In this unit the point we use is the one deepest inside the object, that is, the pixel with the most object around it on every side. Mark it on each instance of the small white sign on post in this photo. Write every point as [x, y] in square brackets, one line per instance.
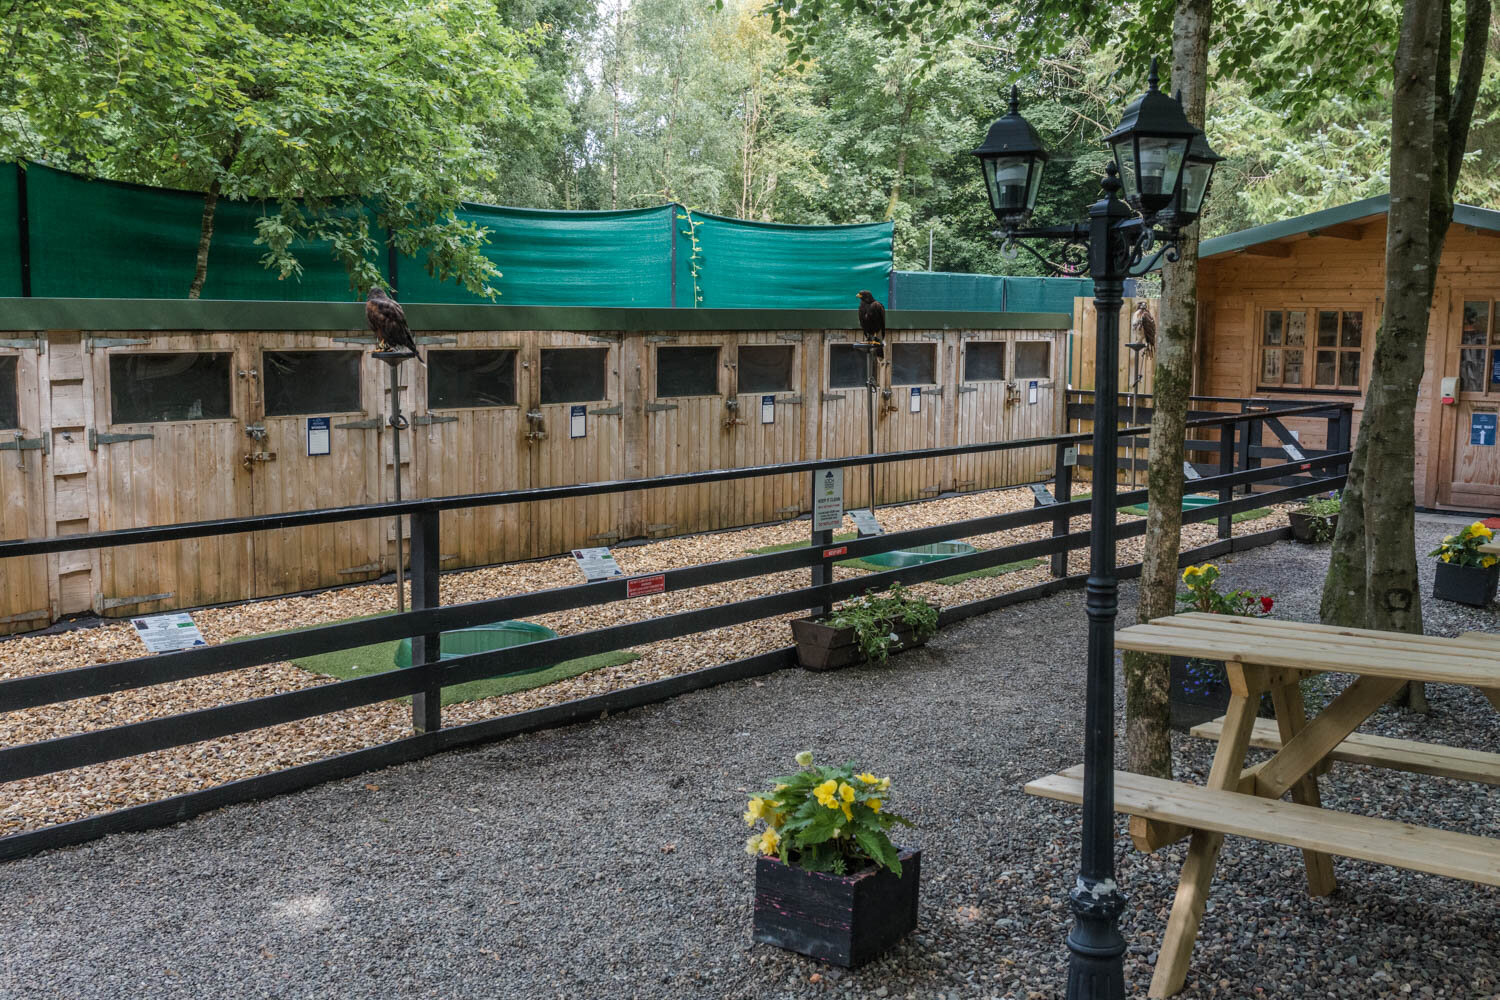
[828, 500]
[578, 422]
[596, 564]
[165, 633]
[768, 409]
[1189, 471]
[865, 521]
[916, 399]
[1031, 392]
[1293, 452]
[318, 434]
[1070, 455]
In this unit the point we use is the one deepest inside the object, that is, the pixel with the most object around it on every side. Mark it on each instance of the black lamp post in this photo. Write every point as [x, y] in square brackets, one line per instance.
[1163, 165]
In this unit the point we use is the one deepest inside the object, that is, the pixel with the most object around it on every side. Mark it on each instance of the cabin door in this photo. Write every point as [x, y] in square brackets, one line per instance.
[689, 428]
[1471, 479]
[914, 413]
[24, 602]
[983, 411]
[768, 426]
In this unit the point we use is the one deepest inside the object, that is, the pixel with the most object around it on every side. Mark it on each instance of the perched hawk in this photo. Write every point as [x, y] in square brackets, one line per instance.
[1143, 325]
[388, 322]
[872, 321]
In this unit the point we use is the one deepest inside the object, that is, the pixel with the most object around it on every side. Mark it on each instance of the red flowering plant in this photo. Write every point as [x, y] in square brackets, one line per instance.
[1202, 595]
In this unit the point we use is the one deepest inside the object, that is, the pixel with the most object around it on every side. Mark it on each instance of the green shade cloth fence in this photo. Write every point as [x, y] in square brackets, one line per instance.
[988, 292]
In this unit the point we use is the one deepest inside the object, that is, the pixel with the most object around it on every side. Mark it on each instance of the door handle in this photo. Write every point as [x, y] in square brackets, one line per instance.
[253, 457]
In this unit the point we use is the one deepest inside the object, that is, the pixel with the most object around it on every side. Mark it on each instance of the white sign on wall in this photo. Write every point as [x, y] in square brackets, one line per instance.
[596, 564]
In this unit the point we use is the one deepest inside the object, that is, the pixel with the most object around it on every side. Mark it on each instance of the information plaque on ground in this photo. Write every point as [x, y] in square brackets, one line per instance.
[166, 633]
[596, 564]
[828, 500]
[865, 521]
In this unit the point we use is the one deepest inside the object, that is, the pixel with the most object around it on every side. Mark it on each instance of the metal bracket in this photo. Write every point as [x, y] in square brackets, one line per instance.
[831, 397]
[605, 338]
[968, 388]
[659, 407]
[791, 511]
[89, 343]
[797, 337]
[361, 425]
[96, 438]
[653, 528]
[788, 400]
[434, 339]
[607, 536]
[25, 444]
[607, 411]
[932, 336]
[423, 421]
[36, 344]
[934, 391]
[659, 338]
[256, 432]
[931, 489]
[105, 603]
[26, 616]
[370, 567]
[366, 341]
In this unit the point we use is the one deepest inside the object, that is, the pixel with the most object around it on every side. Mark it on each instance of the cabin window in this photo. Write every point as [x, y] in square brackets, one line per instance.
[687, 371]
[984, 361]
[766, 368]
[846, 367]
[458, 379]
[1033, 359]
[574, 374]
[154, 388]
[1327, 356]
[913, 364]
[310, 382]
[1481, 320]
[10, 409]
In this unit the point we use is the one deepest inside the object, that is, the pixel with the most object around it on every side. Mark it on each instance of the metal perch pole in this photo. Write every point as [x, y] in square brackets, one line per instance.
[398, 423]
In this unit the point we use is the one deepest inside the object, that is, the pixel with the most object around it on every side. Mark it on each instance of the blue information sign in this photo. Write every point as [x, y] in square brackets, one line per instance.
[318, 436]
[1482, 428]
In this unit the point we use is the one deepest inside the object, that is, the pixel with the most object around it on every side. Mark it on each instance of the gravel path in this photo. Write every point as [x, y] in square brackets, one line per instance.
[605, 860]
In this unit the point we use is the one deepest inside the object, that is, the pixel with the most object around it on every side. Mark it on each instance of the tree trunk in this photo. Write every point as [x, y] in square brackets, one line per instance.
[1148, 739]
[210, 208]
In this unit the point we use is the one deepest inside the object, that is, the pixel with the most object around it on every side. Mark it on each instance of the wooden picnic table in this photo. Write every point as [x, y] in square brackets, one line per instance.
[1493, 548]
[1264, 655]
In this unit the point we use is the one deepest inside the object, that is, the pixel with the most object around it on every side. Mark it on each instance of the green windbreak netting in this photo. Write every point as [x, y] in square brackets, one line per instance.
[762, 265]
[554, 258]
[10, 243]
[101, 239]
[987, 292]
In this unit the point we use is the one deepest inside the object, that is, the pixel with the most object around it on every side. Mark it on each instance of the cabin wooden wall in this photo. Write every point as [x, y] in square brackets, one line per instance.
[96, 474]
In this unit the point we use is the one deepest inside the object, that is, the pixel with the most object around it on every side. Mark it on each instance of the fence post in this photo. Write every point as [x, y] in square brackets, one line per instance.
[1346, 433]
[1226, 466]
[427, 705]
[822, 571]
[1064, 493]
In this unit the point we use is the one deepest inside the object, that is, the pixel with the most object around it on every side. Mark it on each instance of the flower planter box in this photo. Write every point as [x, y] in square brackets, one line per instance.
[844, 920]
[1194, 700]
[1469, 585]
[1313, 528]
[820, 646]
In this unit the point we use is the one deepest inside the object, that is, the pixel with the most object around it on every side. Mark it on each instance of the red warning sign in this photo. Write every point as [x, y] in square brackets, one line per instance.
[640, 586]
[830, 553]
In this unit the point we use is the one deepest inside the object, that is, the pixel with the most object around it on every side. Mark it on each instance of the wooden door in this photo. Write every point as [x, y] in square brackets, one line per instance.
[843, 422]
[983, 410]
[1035, 372]
[169, 441]
[1472, 452]
[313, 440]
[24, 601]
[690, 427]
[769, 427]
[573, 399]
[468, 435]
[915, 414]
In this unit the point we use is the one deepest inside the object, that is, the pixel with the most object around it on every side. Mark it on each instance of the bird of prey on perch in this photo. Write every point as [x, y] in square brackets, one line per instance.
[872, 321]
[1144, 326]
[388, 322]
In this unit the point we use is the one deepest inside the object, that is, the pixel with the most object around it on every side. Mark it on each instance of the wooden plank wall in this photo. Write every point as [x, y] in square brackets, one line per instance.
[198, 469]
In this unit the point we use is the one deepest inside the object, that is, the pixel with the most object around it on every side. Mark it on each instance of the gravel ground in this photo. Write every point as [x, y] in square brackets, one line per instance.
[82, 792]
[606, 859]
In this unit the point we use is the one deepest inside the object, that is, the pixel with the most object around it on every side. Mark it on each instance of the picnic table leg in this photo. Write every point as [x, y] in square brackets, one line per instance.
[1245, 684]
[1291, 718]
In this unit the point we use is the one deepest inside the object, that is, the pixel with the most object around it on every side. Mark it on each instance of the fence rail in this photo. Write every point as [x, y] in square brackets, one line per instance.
[426, 621]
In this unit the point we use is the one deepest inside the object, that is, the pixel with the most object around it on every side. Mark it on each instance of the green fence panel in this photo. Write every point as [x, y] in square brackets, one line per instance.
[10, 234]
[765, 265]
[1054, 295]
[102, 239]
[985, 292]
[555, 258]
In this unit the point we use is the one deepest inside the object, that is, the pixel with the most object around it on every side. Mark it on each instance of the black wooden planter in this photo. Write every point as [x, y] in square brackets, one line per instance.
[1313, 528]
[820, 646]
[1465, 584]
[843, 920]
[1194, 700]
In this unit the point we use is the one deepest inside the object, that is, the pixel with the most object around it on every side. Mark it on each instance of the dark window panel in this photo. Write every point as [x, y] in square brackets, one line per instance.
[1296, 328]
[1033, 359]
[1270, 366]
[153, 388]
[1476, 322]
[687, 371]
[1271, 335]
[471, 378]
[913, 364]
[1292, 375]
[310, 382]
[1354, 326]
[1471, 369]
[1349, 369]
[1328, 328]
[766, 368]
[574, 374]
[1323, 373]
[10, 405]
[984, 361]
[846, 367]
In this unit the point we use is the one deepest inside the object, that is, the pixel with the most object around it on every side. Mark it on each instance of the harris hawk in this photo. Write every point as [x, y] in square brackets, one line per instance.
[388, 322]
[872, 321]
[1143, 324]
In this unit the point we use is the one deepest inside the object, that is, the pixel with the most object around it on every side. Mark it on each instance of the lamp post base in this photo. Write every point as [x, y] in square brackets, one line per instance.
[1096, 965]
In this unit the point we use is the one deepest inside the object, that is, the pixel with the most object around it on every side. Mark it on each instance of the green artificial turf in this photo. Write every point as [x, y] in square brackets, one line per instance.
[858, 564]
[1000, 570]
[362, 661]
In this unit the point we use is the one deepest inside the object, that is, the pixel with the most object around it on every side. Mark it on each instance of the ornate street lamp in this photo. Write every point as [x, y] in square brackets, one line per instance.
[1163, 165]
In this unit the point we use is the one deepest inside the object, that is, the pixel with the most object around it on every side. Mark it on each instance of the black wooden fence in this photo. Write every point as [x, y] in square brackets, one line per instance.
[425, 680]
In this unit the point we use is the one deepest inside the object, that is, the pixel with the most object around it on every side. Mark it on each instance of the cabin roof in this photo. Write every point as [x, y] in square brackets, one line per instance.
[1342, 221]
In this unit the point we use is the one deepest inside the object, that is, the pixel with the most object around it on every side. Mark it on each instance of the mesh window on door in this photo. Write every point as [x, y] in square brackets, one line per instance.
[310, 382]
[913, 364]
[1033, 359]
[457, 379]
[687, 371]
[574, 374]
[10, 409]
[846, 367]
[1479, 329]
[766, 368]
[984, 361]
[155, 388]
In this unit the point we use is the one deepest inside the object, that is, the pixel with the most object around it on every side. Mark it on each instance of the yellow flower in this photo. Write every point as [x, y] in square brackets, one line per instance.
[846, 792]
[885, 784]
[874, 804]
[752, 846]
[805, 758]
[848, 814]
[1482, 530]
[826, 793]
[755, 811]
[1190, 574]
[769, 842]
[868, 778]
[1488, 561]
[1447, 557]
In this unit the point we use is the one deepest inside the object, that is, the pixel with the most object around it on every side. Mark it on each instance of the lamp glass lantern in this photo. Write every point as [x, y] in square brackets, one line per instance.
[1151, 149]
[1011, 161]
[1196, 176]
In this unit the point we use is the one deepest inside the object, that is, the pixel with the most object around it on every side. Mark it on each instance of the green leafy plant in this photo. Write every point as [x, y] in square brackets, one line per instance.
[875, 618]
[1322, 506]
[1462, 549]
[1203, 595]
[825, 819]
